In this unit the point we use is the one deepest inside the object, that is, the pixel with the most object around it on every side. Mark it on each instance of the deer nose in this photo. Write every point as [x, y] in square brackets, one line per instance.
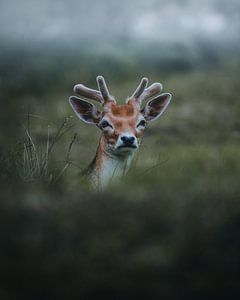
[128, 140]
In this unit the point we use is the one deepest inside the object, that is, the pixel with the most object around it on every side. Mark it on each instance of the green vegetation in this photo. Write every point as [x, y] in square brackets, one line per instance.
[169, 230]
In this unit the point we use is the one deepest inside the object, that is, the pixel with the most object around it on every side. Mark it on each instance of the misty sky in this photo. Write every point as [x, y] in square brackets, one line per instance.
[149, 20]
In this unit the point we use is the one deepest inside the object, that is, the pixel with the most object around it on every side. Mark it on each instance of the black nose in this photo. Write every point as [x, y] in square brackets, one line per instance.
[128, 140]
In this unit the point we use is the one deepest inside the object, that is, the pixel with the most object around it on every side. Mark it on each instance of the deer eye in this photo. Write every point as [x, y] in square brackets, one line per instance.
[142, 123]
[105, 124]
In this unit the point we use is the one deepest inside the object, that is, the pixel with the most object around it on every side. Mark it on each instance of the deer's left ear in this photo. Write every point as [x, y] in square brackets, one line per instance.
[85, 110]
[156, 107]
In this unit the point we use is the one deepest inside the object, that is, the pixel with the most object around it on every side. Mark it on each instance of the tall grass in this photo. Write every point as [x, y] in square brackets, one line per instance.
[34, 160]
[169, 230]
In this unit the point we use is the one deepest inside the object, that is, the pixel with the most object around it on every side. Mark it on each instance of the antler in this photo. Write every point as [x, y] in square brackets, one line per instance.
[142, 93]
[101, 96]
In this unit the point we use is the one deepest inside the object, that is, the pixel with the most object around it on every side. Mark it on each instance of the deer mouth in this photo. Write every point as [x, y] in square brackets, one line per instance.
[127, 146]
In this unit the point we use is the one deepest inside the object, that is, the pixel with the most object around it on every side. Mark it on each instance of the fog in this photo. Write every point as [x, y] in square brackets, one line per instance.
[157, 21]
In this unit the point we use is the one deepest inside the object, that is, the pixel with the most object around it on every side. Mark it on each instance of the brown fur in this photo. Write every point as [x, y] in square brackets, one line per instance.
[124, 117]
[125, 110]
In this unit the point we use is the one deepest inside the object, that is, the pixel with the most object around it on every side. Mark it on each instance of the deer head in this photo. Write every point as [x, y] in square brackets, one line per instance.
[122, 126]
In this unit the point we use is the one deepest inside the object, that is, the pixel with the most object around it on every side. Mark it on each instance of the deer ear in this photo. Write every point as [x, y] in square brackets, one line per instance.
[156, 107]
[85, 110]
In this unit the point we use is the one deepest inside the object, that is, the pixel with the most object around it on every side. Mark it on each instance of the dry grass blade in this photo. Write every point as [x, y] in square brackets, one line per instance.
[32, 159]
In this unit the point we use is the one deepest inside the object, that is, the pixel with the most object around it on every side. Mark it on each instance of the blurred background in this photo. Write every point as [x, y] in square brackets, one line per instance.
[170, 230]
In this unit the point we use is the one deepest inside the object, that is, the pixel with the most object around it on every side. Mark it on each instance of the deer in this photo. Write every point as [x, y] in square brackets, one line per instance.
[122, 126]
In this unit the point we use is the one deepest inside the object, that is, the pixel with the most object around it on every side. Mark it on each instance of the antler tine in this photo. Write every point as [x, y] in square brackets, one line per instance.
[84, 91]
[140, 88]
[151, 91]
[104, 90]
[142, 93]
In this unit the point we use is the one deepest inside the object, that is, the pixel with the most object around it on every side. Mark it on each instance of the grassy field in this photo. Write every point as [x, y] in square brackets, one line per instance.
[169, 230]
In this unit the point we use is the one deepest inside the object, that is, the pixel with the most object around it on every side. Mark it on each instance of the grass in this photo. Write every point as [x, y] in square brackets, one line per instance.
[168, 230]
[34, 160]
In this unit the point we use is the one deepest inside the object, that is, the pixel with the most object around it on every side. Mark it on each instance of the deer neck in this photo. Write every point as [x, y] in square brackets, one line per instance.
[108, 166]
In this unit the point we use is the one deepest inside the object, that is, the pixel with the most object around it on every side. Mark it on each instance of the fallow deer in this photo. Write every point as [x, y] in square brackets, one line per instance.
[122, 126]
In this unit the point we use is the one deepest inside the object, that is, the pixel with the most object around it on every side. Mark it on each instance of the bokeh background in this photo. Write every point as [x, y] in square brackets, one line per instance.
[170, 229]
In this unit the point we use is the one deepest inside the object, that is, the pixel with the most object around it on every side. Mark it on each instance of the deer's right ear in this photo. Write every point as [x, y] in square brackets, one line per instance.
[85, 110]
